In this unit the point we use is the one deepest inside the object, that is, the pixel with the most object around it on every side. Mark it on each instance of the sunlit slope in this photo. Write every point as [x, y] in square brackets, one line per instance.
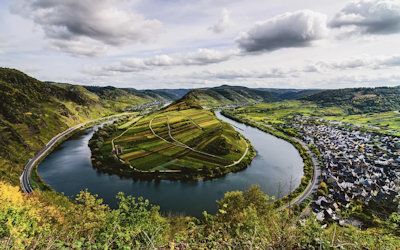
[32, 112]
[182, 136]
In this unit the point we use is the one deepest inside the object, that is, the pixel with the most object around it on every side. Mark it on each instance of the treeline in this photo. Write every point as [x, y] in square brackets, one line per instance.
[360, 100]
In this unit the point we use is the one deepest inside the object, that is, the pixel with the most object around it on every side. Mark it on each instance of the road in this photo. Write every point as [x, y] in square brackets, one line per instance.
[313, 185]
[26, 174]
[25, 177]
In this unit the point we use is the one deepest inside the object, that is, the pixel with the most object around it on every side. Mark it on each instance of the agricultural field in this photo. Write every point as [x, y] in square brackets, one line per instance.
[280, 112]
[175, 141]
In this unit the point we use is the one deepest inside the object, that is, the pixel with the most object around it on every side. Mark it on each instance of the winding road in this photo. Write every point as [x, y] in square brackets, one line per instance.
[26, 174]
[25, 177]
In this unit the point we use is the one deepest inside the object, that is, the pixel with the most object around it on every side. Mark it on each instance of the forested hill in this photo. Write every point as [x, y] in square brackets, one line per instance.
[360, 100]
[32, 112]
[225, 95]
[121, 94]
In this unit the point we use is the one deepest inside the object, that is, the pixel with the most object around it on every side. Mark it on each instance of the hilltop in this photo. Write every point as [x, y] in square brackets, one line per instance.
[183, 140]
[227, 95]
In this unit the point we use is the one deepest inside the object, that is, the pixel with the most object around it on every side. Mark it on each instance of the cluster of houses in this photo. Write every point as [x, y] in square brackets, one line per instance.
[358, 166]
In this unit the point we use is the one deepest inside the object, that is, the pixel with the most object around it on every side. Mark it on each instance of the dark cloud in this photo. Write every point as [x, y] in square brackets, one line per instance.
[369, 17]
[103, 21]
[297, 29]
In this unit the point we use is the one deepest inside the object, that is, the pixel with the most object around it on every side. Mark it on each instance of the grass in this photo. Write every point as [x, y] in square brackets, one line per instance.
[129, 123]
[279, 112]
[386, 121]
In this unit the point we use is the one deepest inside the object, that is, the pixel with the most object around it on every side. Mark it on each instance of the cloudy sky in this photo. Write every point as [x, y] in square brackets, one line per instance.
[147, 44]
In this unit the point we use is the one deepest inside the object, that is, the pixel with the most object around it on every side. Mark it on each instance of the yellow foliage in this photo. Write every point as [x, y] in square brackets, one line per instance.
[10, 194]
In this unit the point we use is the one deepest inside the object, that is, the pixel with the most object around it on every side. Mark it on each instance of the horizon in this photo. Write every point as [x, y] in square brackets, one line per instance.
[202, 44]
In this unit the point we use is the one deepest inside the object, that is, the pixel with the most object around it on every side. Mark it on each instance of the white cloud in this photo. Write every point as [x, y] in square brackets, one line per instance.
[223, 22]
[105, 21]
[369, 17]
[296, 29]
[230, 74]
[78, 48]
[355, 63]
[199, 57]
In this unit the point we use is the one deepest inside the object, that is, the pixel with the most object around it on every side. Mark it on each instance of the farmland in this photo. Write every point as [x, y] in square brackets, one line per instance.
[279, 112]
[173, 140]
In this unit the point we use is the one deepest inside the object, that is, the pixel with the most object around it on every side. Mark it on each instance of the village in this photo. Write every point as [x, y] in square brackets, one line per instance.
[358, 166]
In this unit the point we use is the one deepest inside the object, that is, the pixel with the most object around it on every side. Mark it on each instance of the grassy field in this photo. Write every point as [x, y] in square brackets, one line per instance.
[279, 112]
[176, 140]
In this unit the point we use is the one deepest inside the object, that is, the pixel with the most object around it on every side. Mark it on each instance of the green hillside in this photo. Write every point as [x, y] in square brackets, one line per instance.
[32, 112]
[181, 141]
[228, 95]
[360, 100]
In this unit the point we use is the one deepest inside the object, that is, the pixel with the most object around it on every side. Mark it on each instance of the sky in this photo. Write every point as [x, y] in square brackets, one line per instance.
[151, 44]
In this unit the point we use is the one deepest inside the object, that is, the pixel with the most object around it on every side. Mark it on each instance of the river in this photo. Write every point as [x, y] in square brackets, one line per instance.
[277, 166]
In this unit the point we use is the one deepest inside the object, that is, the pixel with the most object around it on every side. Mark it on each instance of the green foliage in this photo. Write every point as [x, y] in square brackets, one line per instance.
[225, 95]
[244, 221]
[218, 146]
[177, 142]
[322, 189]
[134, 224]
[360, 100]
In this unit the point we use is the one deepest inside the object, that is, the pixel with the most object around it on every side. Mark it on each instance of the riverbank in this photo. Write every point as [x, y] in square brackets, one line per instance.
[115, 164]
[30, 171]
[277, 163]
[309, 164]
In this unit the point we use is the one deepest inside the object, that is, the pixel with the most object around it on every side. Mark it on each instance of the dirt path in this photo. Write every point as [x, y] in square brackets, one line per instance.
[180, 143]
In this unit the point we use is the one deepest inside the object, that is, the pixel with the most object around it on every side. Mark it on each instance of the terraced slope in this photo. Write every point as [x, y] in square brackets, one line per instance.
[182, 138]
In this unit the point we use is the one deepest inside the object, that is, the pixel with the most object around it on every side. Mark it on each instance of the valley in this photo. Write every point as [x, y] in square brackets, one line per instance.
[188, 150]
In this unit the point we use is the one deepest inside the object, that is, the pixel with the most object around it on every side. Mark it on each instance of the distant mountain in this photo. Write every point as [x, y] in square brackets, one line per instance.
[360, 100]
[175, 93]
[295, 95]
[291, 94]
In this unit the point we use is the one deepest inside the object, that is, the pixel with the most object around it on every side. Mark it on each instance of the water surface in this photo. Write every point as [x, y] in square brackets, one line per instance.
[68, 169]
